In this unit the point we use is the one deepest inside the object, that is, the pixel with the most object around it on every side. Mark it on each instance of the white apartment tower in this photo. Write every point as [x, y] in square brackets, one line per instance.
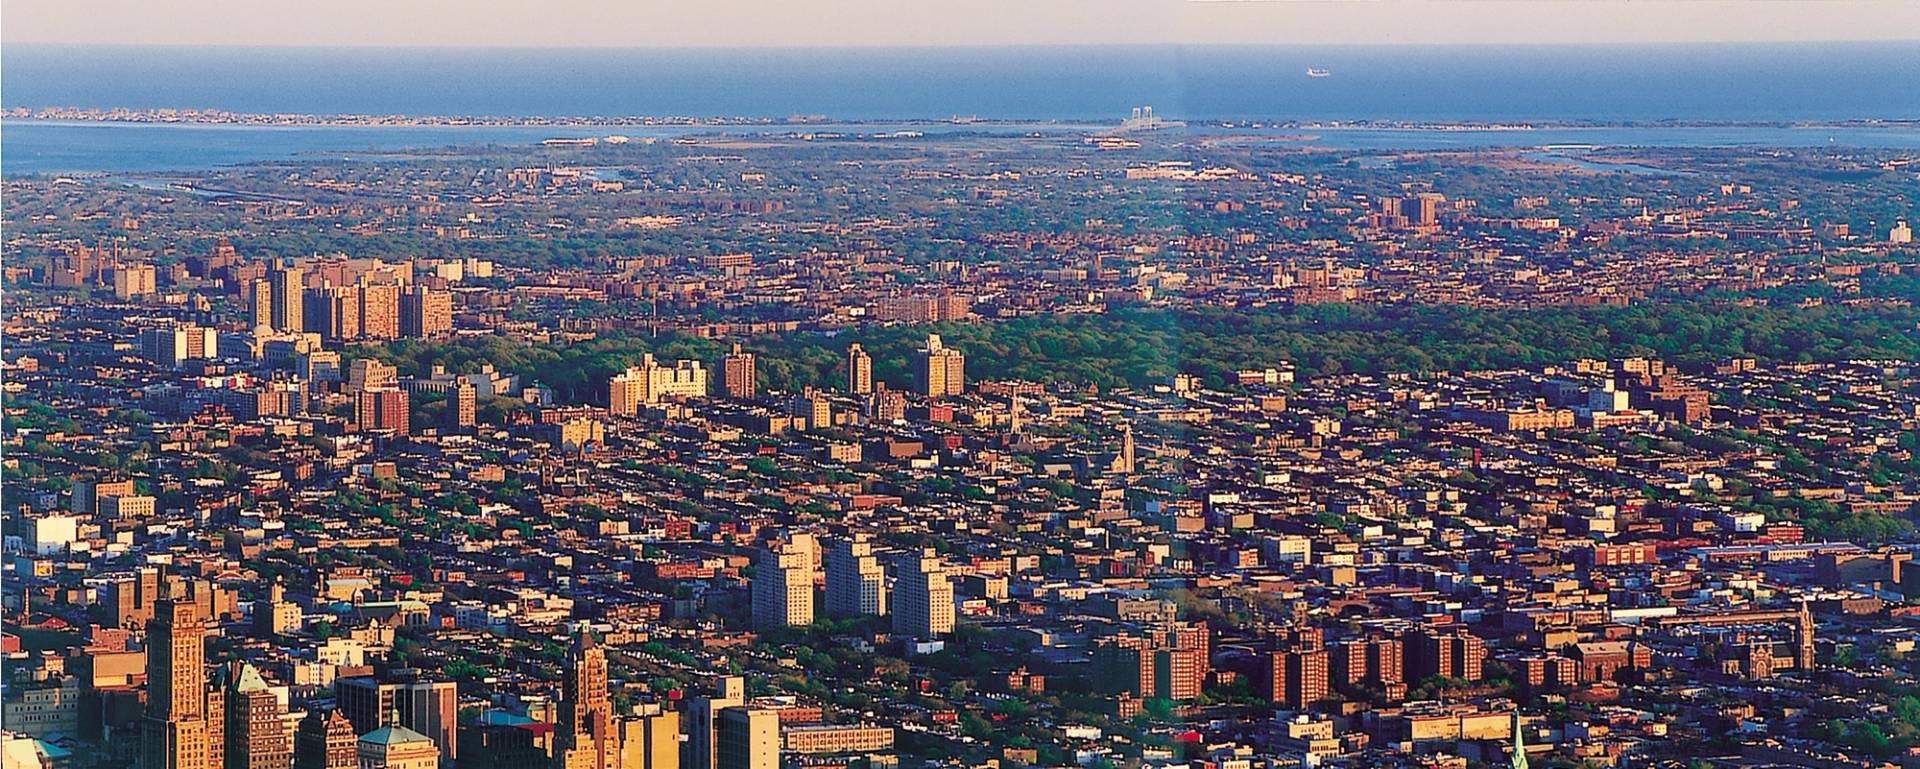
[856, 582]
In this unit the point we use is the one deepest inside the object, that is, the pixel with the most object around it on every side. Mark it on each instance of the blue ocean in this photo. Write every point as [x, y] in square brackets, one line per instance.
[1639, 84]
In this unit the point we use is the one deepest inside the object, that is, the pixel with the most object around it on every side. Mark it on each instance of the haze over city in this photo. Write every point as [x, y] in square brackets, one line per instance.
[1045, 385]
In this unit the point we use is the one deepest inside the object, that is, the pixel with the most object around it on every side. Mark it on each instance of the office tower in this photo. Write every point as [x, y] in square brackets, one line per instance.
[175, 732]
[382, 409]
[650, 739]
[856, 582]
[703, 721]
[287, 288]
[783, 583]
[325, 740]
[462, 411]
[379, 310]
[396, 747]
[749, 738]
[584, 735]
[260, 304]
[938, 370]
[429, 707]
[256, 734]
[370, 374]
[923, 598]
[859, 370]
[425, 312]
[737, 374]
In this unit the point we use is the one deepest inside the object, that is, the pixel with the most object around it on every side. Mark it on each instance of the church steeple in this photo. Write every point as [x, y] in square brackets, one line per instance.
[1519, 758]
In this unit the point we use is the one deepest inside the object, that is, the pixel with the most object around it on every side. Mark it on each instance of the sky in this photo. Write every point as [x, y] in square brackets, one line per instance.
[634, 23]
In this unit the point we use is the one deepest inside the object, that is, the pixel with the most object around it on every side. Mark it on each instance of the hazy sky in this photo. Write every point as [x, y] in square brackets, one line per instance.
[961, 22]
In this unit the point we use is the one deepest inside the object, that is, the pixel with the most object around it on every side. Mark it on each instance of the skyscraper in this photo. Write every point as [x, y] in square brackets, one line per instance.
[737, 374]
[859, 370]
[938, 370]
[256, 735]
[703, 721]
[856, 582]
[586, 739]
[174, 734]
[749, 738]
[783, 583]
[923, 598]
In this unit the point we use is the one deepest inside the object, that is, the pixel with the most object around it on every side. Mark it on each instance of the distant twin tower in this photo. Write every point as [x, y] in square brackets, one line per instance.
[1143, 119]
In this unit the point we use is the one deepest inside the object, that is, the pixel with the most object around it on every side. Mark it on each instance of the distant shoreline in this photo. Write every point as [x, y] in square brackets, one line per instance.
[210, 117]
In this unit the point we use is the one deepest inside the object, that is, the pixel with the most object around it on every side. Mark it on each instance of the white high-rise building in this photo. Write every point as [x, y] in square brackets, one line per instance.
[856, 582]
[783, 583]
[923, 598]
[703, 721]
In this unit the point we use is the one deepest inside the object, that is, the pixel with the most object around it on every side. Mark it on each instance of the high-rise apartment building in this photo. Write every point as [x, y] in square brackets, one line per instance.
[425, 312]
[859, 370]
[650, 738]
[856, 582]
[783, 583]
[383, 409]
[174, 345]
[259, 304]
[1453, 653]
[380, 310]
[650, 382]
[286, 289]
[333, 312]
[737, 375]
[938, 370]
[1170, 662]
[1294, 677]
[748, 738]
[703, 721]
[463, 405]
[923, 598]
